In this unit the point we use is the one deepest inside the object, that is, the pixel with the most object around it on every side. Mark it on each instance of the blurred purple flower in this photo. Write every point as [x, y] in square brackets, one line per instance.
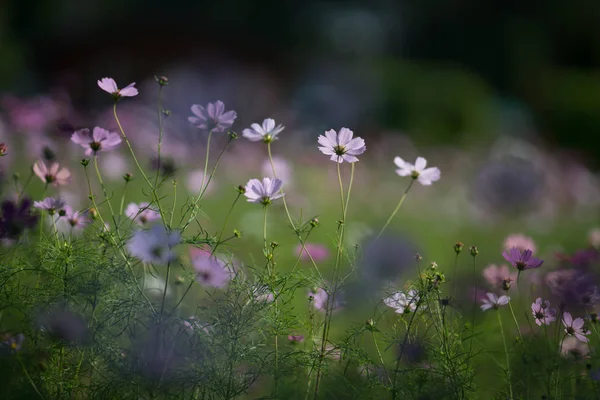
[341, 146]
[403, 302]
[101, 140]
[519, 241]
[296, 338]
[495, 275]
[51, 204]
[267, 132]
[574, 327]
[54, 175]
[263, 192]
[12, 344]
[542, 312]
[320, 298]
[521, 261]
[210, 271]
[141, 213]
[493, 301]
[213, 117]
[15, 218]
[31, 115]
[64, 325]
[425, 176]
[154, 245]
[573, 287]
[317, 251]
[73, 221]
[110, 86]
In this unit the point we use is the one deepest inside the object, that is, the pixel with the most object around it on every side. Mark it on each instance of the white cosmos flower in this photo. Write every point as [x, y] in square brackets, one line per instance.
[493, 301]
[425, 176]
[263, 192]
[267, 132]
[402, 302]
[341, 146]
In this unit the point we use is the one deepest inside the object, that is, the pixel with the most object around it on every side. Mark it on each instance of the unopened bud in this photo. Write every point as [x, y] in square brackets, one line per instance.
[85, 162]
[474, 251]
[128, 177]
[506, 284]
[314, 222]
[418, 257]
[241, 189]
[274, 245]
[3, 149]
[161, 80]
[237, 233]
[232, 135]
[458, 247]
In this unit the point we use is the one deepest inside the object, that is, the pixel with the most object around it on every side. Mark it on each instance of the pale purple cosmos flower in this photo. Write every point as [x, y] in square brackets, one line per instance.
[320, 297]
[141, 213]
[495, 275]
[574, 327]
[213, 117]
[403, 302]
[542, 312]
[210, 271]
[109, 85]
[52, 175]
[296, 338]
[50, 204]
[263, 192]
[12, 344]
[341, 146]
[100, 140]
[154, 245]
[73, 221]
[571, 347]
[521, 261]
[267, 132]
[425, 176]
[493, 301]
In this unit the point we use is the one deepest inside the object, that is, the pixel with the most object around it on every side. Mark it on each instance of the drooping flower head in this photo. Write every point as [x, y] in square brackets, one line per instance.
[51, 205]
[100, 140]
[142, 213]
[210, 271]
[521, 260]
[574, 327]
[110, 86]
[267, 132]
[403, 302]
[493, 301]
[52, 175]
[542, 312]
[341, 146]
[213, 117]
[263, 192]
[155, 245]
[418, 171]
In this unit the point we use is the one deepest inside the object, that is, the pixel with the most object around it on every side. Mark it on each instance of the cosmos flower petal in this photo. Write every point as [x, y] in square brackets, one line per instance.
[344, 137]
[420, 164]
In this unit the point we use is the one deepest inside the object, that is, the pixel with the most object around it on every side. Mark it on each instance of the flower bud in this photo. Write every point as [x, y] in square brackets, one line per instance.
[3, 149]
[314, 222]
[179, 280]
[418, 257]
[241, 189]
[128, 177]
[161, 80]
[274, 245]
[237, 233]
[458, 247]
[85, 162]
[474, 251]
[232, 135]
[506, 284]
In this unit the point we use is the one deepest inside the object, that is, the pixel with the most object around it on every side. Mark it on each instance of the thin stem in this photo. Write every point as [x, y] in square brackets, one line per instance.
[516, 323]
[380, 357]
[22, 191]
[395, 210]
[106, 199]
[226, 222]
[287, 211]
[265, 228]
[122, 204]
[205, 163]
[29, 377]
[412, 318]
[164, 296]
[160, 135]
[507, 357]
[174, 202]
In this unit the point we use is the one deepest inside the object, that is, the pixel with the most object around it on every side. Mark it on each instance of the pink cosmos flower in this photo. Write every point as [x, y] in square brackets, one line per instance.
[574, 327]
[425, 176]
[296, 338]
[73, 221]
[50, 204]
[263, 192]
[495, 275]
[100, 140]
[341, 146]
[110, 86]
[521, 261]
[320, 300]
[520, 242]
[210, 271]
[542, 312]
[493, 301]
[141, 213]
[317, 251]
[54, 175]
[213, 117]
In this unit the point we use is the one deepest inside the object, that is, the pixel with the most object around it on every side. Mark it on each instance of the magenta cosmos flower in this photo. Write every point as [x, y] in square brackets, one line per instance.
[210, 271]
[267, 132]
[52, 175]
[141, 213]
[574, 327]
[263, 192]
[109, 85]
[341, 146]
[521, 261]
[100, 140]
[493, 301]
[51, 205]
[418, 171]
[212, 118]
[542, 312]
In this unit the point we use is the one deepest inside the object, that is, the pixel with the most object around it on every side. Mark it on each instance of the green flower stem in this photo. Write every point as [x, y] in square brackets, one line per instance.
[174, 202]
[106, 199]
[380, 356]
[395, 210]
[508, 375]
[516, 323]
[22, 191]
[160, 135]
[122, 204]
[29, 377]
[226, 222]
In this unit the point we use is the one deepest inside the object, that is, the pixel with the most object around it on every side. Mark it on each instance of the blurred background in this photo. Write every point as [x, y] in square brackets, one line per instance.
[440, 71]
